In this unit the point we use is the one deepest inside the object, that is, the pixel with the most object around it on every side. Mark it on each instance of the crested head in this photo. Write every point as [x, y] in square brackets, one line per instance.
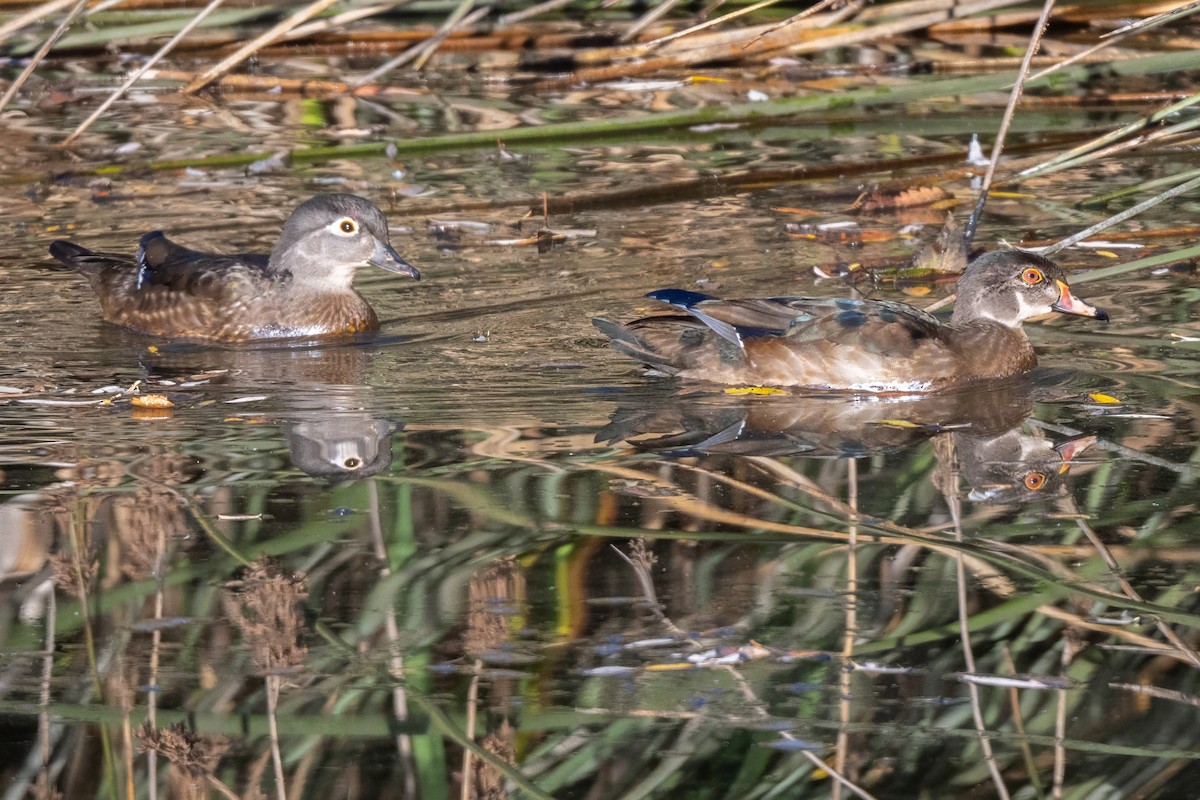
[328, 237]
[1010, 286]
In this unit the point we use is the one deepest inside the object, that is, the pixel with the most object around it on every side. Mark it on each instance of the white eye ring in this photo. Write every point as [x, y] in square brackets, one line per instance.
[344, 227]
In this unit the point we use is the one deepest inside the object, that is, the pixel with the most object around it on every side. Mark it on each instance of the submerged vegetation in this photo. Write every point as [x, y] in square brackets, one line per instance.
[486, 561]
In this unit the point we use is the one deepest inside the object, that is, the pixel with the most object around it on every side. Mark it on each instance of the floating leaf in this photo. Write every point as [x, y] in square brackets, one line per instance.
[897, 423]
[878, 200]
[1104, 399]
[151, 401]
[743, 390]
[804, 212]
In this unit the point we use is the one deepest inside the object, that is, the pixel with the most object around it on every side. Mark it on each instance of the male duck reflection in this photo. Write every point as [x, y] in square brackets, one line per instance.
[980, 436]
[856, 345]
[302, 289]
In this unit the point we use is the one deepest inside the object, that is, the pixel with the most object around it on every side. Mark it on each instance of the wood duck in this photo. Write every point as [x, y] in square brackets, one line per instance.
[302, 289]
[856, 345]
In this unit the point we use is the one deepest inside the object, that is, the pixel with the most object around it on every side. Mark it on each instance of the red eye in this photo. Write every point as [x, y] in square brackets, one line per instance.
[1033, 276]
[1035, 480]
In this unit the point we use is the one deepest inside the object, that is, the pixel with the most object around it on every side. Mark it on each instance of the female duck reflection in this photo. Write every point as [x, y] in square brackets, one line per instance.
[980, 436]
[326, 405]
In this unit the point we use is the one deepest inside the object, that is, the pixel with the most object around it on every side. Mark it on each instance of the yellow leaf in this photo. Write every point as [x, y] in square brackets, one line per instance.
[1021, 195]
[1107, 254]
[151, 401]
[707, 79]
[1104, 399]
[917, 291]
[152, 349]
[742, 390]
[897, 423]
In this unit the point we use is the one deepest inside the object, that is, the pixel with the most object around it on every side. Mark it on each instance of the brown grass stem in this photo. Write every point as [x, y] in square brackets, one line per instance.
[851, 624]
[1113, 37]
[848, 9]
[250, 48]
[40, 55]
[1118, 574]
[31, 16]
[534, 10]
[712, 23]
[137, 74]
[443, 723]
[653, 15]
[273, 733]
[1107, 144]
[894, 26]
[460, 17]
[152, 678]
[468, 782]
[950, 492]
[1035, 41]
[1128, 213]
[404, 743]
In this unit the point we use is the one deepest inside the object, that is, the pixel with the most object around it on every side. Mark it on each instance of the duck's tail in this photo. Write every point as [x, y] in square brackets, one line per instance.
[89, 262]
[669, 343]
[73, 255]
[646, 349]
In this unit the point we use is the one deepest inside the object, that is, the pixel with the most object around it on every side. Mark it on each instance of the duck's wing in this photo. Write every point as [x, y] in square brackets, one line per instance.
[875, 325]
[158, 262]
[161, 262]
[800, 341]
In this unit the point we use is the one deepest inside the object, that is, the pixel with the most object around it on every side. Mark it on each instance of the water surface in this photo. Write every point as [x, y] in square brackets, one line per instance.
[486, 525]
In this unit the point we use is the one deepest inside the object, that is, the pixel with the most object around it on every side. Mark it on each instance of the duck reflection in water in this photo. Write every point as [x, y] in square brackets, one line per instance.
[322, 399]
[979, 435]
[327, 415]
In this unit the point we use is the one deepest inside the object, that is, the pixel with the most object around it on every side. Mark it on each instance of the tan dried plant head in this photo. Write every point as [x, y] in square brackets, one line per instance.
[266, 605]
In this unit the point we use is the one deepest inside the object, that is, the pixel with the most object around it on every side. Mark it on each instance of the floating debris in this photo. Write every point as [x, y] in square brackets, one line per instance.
[156, 401]
[1016, 681]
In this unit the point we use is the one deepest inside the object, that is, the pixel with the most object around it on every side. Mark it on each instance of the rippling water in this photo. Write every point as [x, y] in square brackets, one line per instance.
[486, 525]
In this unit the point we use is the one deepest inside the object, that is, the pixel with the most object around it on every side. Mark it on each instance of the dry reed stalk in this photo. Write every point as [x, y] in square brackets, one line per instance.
[251, 47]
[421, 52]
[137, 74]
[40, 55]
[1035, 40]
[653, 15]
[31, 16]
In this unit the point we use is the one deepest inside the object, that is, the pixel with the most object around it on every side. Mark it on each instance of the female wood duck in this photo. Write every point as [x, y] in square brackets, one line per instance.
[302, 289]
[856, 345]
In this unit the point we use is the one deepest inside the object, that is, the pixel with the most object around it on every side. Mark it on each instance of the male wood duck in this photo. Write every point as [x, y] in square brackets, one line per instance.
[856, 345]
[302, 289]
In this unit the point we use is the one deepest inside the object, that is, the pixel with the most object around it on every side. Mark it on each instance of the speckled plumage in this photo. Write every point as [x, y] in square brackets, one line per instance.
[301, 289]
[856, 345]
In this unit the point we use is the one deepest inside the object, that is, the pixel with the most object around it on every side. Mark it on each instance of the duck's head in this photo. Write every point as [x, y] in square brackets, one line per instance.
[330, 236]
[1010, 286]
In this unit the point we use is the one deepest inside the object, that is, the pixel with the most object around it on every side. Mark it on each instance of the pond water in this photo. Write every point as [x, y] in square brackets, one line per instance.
[493, 541]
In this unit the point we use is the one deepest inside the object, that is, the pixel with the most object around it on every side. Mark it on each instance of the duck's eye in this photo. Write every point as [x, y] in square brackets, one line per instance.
[352, 463]
[1032, 276]
[1035, 480]
[346, 225]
